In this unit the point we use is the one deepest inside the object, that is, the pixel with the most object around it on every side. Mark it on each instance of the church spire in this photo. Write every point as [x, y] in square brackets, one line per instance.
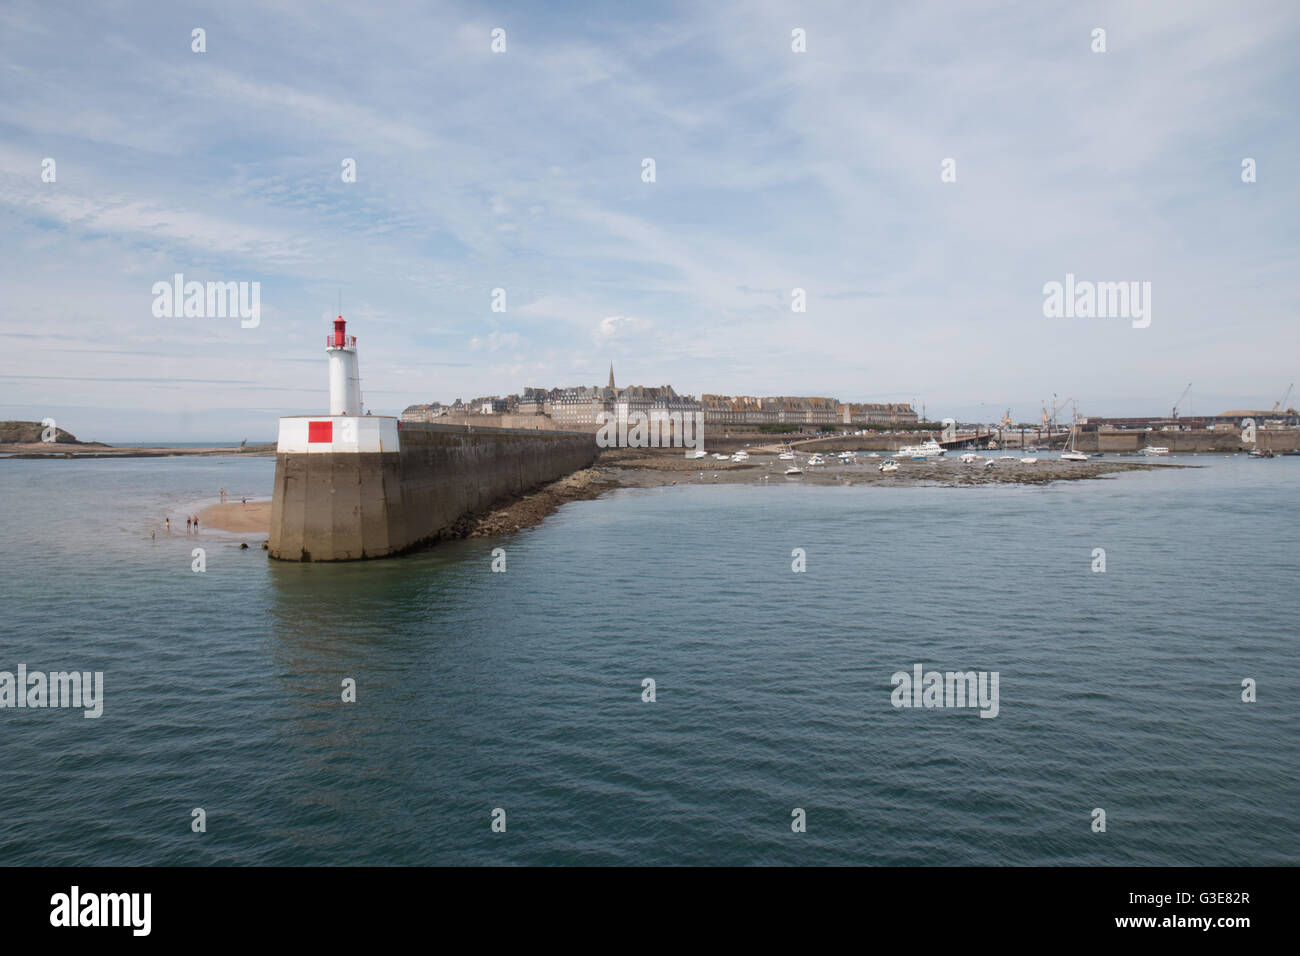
[611, 374]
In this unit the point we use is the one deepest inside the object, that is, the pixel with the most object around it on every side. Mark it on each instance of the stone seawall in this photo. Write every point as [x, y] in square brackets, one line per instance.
[1275, 439]
[346, 506]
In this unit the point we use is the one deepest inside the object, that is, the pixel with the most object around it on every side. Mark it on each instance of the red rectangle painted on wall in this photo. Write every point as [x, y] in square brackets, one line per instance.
[320, 432]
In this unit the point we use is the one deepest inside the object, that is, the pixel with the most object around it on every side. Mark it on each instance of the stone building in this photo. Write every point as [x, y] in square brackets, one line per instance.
[868, 413]
[773, 410]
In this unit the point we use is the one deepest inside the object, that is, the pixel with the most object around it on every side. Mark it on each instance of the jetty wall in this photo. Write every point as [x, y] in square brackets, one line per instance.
[340, 504]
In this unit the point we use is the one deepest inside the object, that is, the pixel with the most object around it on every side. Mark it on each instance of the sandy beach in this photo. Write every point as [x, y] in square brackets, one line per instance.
[252, 518]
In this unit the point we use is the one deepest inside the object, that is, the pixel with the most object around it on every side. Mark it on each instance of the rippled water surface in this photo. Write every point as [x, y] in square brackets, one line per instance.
[522, 690]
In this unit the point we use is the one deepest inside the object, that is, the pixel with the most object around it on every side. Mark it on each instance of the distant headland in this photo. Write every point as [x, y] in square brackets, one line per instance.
[42, 440]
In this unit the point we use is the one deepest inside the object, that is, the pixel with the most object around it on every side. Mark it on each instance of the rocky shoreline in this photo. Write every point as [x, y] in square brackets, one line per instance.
[532, 508]
[655, 468]
[648, 468]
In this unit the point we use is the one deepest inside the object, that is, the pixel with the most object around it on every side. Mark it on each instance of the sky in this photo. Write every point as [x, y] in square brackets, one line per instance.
[522, 170]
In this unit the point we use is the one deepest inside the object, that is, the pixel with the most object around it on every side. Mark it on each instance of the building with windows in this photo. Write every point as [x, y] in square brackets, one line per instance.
[774, 410]
[873, 414]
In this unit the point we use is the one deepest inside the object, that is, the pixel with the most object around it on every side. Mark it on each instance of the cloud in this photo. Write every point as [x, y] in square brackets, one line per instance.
[776, 170]
[613, 325]
[495, 341]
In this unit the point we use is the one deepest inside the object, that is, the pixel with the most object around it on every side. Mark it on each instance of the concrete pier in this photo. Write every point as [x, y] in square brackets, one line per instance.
[365, 488]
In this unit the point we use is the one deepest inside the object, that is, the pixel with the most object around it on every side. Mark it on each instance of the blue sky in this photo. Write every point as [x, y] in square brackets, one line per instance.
[522, 171]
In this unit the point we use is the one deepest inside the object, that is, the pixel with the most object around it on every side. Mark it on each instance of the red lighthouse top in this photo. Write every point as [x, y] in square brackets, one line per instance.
[340, 339]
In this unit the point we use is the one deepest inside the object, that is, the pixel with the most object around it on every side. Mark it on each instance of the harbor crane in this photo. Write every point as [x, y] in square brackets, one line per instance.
[1280, 404]
[1174, 413]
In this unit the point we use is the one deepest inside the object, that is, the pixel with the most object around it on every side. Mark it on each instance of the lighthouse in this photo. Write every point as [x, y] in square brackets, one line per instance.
[351, 485]
[345, 380]
[343, 429]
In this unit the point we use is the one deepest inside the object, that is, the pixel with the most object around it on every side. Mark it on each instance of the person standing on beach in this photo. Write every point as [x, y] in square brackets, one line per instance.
[169, 523]
[187, 524]
[196, 524]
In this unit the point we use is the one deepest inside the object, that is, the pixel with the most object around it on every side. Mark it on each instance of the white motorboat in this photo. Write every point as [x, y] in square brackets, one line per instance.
[699, 453]
[721, 457]
[740, 456]
[889, 465]
[1150, 450]
[969, 458]
[927, 449]
[786, 456]
[794, 470]
[846, 456]
[1028, 461]
[816, 460]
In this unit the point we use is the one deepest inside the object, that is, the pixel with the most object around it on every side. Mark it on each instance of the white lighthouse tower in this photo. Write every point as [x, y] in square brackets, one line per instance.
[345, 379]
[344, 429]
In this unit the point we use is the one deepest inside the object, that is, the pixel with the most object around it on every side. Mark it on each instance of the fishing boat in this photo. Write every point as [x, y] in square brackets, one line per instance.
[888, 465]
[1261, 453]
[1153, 450]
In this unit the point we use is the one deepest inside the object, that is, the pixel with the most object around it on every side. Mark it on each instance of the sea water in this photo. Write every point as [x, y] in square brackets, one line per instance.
[521, 695]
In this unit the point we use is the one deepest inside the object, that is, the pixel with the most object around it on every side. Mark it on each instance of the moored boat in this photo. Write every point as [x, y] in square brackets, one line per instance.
[1071, 452]
[927, 449]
